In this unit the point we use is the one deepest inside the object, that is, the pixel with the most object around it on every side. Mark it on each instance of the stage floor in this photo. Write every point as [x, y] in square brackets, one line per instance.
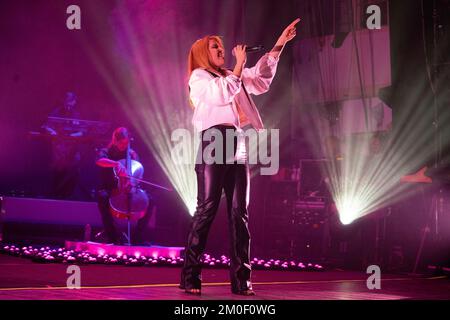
[23, 279]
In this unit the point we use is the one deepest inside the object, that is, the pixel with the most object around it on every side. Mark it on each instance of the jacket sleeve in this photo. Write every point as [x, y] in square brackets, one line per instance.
[213, 91]
[257, 80]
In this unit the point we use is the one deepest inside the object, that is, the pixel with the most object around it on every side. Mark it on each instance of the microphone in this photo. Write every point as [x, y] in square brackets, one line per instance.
[254, 48]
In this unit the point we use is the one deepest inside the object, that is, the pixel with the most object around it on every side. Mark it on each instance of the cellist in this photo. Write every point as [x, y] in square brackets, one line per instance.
[108, 159]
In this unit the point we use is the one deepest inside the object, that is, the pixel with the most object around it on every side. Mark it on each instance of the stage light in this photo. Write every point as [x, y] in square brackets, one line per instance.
[349, 208]
[368, 156]
[146, 74]
[172, 254]
[86, 257]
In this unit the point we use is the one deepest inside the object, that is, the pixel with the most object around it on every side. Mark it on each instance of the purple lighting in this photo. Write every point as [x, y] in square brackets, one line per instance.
[62, 255]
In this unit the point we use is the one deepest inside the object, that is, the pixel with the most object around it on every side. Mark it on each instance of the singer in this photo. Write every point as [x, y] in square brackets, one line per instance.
[221, 100]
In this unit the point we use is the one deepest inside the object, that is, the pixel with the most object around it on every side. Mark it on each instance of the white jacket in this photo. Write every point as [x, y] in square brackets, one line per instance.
[214, 98]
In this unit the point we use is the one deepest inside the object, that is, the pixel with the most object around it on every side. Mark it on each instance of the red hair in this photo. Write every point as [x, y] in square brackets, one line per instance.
[199, 56]
[119, 134]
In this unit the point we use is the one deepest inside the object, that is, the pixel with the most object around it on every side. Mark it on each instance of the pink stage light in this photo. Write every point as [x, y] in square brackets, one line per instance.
[64, 256]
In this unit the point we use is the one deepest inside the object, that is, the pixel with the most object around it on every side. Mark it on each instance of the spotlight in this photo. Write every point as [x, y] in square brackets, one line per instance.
[349, 208]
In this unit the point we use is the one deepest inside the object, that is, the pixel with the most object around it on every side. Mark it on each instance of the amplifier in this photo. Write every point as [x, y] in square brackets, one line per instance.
[309, 212]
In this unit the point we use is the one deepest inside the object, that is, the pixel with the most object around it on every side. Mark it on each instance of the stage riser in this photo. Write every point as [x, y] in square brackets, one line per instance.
[131, 251]
[57, 212]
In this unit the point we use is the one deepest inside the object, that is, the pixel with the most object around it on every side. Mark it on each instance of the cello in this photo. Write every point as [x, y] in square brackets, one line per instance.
[128, 200]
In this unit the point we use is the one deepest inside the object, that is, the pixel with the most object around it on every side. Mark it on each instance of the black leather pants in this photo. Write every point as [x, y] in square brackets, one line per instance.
[211, 180]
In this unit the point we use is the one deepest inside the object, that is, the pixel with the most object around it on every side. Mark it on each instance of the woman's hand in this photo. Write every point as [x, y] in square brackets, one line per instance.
[241, 59]
[289, 33]
[121, 171]
[240, 54]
